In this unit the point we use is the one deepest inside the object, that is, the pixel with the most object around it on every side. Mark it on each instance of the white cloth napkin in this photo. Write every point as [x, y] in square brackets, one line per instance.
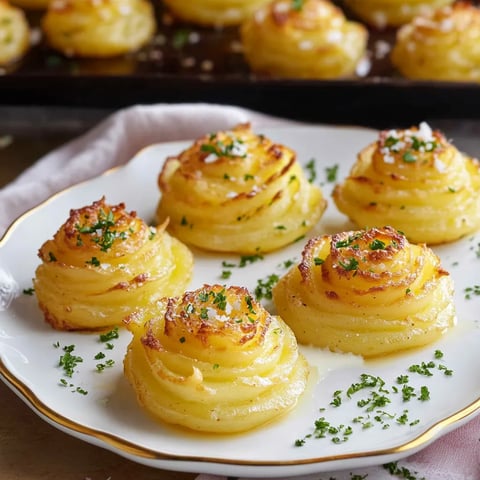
[113, 142]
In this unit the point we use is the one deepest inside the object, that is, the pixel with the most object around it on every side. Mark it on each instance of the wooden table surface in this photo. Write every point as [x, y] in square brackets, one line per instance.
[30, 448]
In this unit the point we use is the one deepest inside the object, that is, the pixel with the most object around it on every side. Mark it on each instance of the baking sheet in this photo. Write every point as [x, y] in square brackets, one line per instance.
[185, 62]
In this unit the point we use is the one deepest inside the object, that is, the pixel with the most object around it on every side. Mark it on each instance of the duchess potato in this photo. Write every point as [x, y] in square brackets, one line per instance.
[442, 46]
[103, 263]
[310, 39]
[214, 360]
[367, 292]
[417, 181]
[385, 13]
[98, 28]
[236, 191]
[14, 33]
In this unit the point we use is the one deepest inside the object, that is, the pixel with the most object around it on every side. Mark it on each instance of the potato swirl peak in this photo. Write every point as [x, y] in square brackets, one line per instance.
[369, 292]
[214, 360]
[307, 39]
[104, 261]
[237, 191]
[99, 229]
[417, 181]
[441, 46]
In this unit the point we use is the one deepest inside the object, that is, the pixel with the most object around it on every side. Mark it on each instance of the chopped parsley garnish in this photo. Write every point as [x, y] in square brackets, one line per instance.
[111, 335]
[28, 291]
[469, 291]
[94, 261]
[377, 245]
[402, 472]
[349, 265]
[246, 259]
[249, 302]
[331, 173]
[81, 391]
[236, 148]
[310, 166]
[220, 300]
[375, 403]
[264, 287]
[68, 361]
[101, 231]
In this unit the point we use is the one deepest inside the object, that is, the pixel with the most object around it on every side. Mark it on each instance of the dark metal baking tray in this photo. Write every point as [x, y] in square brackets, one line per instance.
[186, 63]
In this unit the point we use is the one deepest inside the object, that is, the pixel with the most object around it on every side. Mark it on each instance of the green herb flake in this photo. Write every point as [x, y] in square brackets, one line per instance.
[81, 391]
[409, 157]
[349, 265]
[226, 274]
[111, 335]
[469, 291]
[264, 287]
[94, 261]
[68, 361]
[377, 245]
[331, 173]
[311, 169]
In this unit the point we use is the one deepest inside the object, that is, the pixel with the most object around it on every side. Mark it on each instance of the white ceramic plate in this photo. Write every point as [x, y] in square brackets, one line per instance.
[109, 416]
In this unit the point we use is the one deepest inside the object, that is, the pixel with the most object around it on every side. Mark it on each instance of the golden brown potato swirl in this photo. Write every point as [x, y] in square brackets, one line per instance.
[235, 191]
[98, 28]
[14, 33]
[366, 292]
[383, 13]
[442, 46]
[214, 12]
[311, 39]
[104, 262]
[417, 181]
[214, 360]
